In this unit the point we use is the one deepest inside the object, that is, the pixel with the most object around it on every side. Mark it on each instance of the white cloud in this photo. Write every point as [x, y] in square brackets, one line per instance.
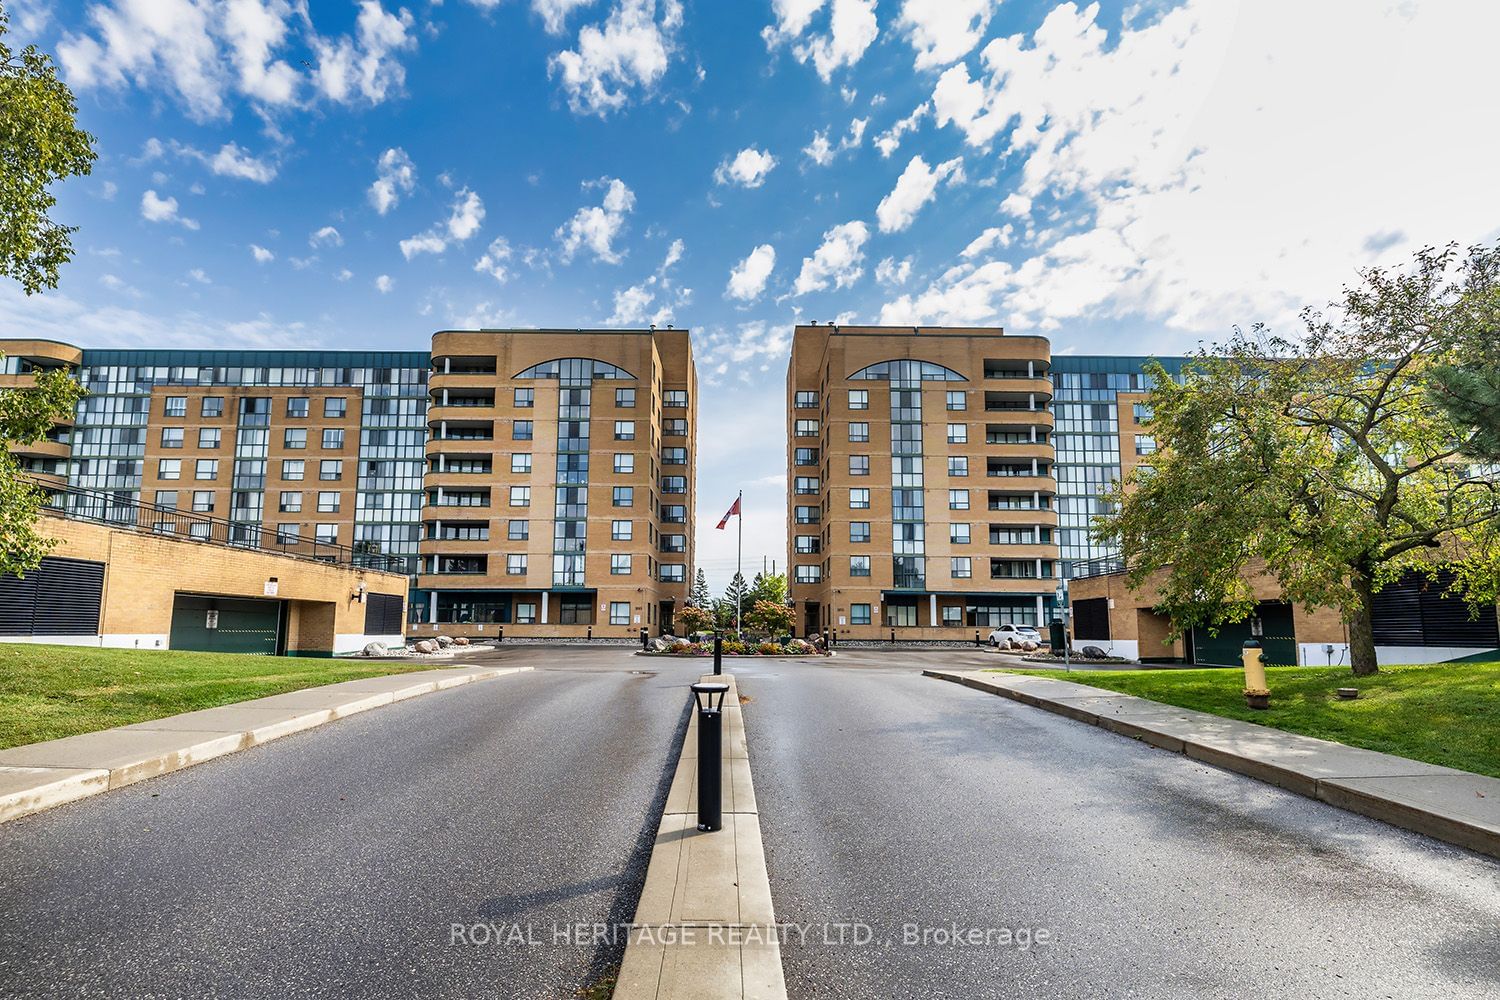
[837, 260]
[595, 227]
[203, 52]
[748, 278]
[343, 275]
[944, 31]
[157, 209]
[327, 236]
[822, 152]
[200, 276]
[674, 254]
[916, 186]
[232, 161]
[495, 260]
[994, 236]
[852, 28]
[384, 283]
[109, 190]
[892, 272]
[555, 13]
[1171, 163]
[261, 254]
[742, 349]
[395, 175]
[463, 222]
[631, 305]
[630, 51]
[748, 168]
[1016, 204]
[890, 140]
[117, 284]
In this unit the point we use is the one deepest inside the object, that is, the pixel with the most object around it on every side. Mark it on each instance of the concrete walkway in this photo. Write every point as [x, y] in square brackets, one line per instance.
[705, 928]
[42, 775]
[1442, 802]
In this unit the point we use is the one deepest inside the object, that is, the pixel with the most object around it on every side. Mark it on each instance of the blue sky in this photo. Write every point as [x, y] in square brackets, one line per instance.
[1123, 178]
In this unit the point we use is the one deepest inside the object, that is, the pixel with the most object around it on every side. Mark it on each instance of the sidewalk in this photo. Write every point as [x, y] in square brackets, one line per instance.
[42, 775]
[1442, 802]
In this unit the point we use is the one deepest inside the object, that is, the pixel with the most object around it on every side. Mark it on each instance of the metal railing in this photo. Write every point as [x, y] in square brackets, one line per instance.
[1103, 566]
[123, 510]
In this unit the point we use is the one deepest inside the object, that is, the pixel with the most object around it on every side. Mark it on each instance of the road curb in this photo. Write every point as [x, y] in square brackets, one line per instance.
[42, 775]
[705, 927]
[1457, 807]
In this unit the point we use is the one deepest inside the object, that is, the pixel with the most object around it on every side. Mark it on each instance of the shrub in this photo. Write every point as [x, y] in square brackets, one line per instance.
[770, 618]
[695, 619]
[769, 649]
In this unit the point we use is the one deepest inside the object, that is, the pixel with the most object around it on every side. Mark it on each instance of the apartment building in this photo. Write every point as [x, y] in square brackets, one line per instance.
[559, 490]
[920, 480]
[46, 459]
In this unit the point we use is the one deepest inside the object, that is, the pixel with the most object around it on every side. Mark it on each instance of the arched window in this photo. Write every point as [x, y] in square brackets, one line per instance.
[907, 372]
[575, 371]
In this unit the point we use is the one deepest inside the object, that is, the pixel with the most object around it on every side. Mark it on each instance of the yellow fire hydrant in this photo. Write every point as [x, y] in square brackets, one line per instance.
[1257, 695]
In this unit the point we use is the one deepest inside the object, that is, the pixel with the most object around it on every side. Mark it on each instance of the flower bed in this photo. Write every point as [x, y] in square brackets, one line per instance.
[734, 647]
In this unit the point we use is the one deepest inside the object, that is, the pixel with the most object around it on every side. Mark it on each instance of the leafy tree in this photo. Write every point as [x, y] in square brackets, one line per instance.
[695, 619]
[724, 615]
[769, 618]
[1469, 389]
[39, 144]
[26, 414]
[700, 596]
[767, 587]
[1321, 457]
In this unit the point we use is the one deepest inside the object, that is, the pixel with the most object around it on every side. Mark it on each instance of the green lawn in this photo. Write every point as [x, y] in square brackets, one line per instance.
[51, 691]
[1446, 713]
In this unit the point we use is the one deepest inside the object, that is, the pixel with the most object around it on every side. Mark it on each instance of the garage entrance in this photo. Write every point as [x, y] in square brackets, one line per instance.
[228, 625]
[1278, 639]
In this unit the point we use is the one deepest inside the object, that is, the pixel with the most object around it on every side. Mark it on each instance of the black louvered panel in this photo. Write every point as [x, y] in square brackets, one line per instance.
[1446, 620]
[1091, 618]
[1397, 613]
[382, 614]
[59, 597]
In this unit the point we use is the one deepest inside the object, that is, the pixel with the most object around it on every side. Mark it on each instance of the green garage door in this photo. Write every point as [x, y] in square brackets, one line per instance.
[226, 625]
[1278, 641]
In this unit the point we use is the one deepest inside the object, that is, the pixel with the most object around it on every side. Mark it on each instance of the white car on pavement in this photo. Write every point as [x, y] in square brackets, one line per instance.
[1016, 633]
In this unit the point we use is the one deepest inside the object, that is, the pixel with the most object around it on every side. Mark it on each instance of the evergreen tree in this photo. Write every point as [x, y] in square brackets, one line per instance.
[767, 587]
[700, 596]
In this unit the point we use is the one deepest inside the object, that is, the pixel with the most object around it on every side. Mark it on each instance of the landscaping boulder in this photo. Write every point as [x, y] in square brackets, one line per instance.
[444, 641]
[425, 646]
[376, 649]
[1030, 646]
[676, 642]
[658, 645]
[1094, 653]
[460, 641]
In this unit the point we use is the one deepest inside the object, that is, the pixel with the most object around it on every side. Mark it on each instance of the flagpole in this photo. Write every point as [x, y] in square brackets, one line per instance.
[739, 558]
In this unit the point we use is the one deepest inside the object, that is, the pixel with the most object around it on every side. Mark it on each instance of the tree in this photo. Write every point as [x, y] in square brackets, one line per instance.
[696, 619]
[39, 145]
[700, 596]
[26, 414]
[1469, 389]
[769, 618]
[767, 587]
[1321, 457]
[734, 597]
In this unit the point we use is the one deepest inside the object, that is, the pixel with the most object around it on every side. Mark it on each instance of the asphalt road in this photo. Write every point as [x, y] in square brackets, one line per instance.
[335, 862]
[887, 799]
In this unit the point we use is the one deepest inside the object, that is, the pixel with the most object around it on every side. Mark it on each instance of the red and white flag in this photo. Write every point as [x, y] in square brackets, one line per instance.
[735, 509]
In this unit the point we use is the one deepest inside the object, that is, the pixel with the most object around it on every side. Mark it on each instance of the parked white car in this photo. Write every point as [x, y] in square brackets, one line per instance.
[1016, 633]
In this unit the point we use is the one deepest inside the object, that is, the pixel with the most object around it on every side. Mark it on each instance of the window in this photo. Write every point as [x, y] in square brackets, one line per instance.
[166, 499]
[805, 456]
[520, 462]
[200, 531]
[859, 399]
[291, 502]
[328, 502]
[520, 430]
[807, 545]
[518, 530]
[674, 543]
[520, 496]
[515, 564]
[524, 399]
[806, 485]
[859, 614]
[326, 534]
[176, 406]
[1145, 444]
[957, 400]
[525, 613]
[953, 615]
[672, 573]
[213, 406]
[961, 567]
[292, 468]
[859, 499]
[208, 437]
[675, 397]
[619, 564]
[808, 574]
[859, 432]
[674, 513]
[330, 469]
[206, 468]
[958, 499]
[958, 433]
[958, 465]
[333, 438]
[958, 534]
[287, 534]
[624, 430]
[294, 438]
[674, 456]
[1142, 412]
[296, 406]
[806, 399]
[859, 465]
[625, 399]
[808, 515]
[624, 496]
[335, 406]
[859, 531]
[621, 531]
[675, 426]
[903, 615]
[859, 565]
[624, 463]
[674, 484]
[203, 501]
[619, 612]
[171, 437]
[807, 428]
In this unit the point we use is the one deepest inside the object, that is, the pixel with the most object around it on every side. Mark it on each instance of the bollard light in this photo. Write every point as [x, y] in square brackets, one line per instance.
[718, 654]
[645, 642]
[500, 636]
[710, 704]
